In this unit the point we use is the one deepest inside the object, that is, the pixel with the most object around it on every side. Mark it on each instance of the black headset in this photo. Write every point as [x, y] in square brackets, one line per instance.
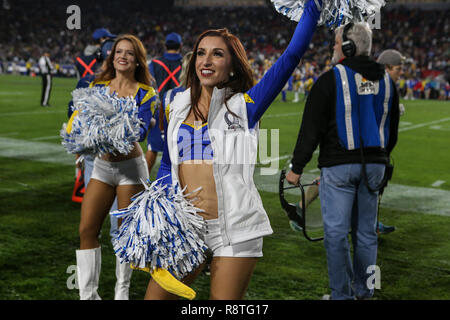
[348, 46]
[102, 52]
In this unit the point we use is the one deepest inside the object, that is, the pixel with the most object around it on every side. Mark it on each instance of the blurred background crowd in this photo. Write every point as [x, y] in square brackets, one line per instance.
[27, 28]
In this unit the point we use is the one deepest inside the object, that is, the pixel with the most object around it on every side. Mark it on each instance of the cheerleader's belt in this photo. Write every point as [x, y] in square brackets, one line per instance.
[169, 283]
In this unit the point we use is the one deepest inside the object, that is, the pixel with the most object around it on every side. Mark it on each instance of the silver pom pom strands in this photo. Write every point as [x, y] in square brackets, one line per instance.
[101, 123]
[161, 230]
[334, 12]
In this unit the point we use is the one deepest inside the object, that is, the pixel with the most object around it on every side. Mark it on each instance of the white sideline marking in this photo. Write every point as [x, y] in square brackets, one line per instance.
[23, 184]
[438, 183]
[15, 93]
[395, 196]
[267, 161]
[282, 115]
[40, 112]
[46, 138]
[35, 151]
[420, 125]
[399, 197]
[442, 128]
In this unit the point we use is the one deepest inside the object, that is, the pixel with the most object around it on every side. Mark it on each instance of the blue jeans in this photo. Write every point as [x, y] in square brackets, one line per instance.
[88, 167]
[347, 205]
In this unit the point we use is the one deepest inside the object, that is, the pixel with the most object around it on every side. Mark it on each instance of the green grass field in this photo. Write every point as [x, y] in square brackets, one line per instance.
[39, 223]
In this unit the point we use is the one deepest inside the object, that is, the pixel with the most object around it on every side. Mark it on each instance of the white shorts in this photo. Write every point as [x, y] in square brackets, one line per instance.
[122, 172]
[247, 249]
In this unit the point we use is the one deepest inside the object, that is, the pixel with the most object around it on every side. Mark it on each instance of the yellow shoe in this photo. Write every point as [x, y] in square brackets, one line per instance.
[169, 283]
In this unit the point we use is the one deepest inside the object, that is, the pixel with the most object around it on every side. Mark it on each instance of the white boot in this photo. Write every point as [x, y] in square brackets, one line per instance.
[89, 262]
[123, 275]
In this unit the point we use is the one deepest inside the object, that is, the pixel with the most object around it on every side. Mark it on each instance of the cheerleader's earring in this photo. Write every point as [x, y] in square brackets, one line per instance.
[231, 74]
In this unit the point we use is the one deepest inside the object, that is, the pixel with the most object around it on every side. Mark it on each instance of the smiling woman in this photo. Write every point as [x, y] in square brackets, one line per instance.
[124, 57]
[115, 175]
[213, 62]
[223, 106]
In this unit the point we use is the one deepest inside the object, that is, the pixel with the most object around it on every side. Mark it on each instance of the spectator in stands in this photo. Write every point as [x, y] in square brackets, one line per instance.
[410, 83]
[447, 90]
[400, 31]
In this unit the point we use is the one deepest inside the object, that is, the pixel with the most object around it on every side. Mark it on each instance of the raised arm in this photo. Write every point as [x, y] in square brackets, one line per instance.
[263, 93]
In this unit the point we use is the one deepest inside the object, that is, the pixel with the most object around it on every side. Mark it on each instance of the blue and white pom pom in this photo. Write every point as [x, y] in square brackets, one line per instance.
[161, 229]
[334, 12]
[102, 123]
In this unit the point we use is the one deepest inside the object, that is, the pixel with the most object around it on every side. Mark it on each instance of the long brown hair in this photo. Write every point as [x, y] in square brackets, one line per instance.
[141, 74]
[241, 81]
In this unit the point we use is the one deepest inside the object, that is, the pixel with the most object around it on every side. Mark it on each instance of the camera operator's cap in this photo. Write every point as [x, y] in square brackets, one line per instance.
[391, 57]
[173, 38]
[102, 33]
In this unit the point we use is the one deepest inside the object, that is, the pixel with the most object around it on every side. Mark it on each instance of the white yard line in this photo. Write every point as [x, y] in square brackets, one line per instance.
[267, 161]
[46, 138]
[14, 93]
[396, 196]
[420, 125]
[442, 128]
[35, 151]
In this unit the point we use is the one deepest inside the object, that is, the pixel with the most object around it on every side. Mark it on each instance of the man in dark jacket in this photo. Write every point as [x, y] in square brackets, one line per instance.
[353, 113]
[393, 62]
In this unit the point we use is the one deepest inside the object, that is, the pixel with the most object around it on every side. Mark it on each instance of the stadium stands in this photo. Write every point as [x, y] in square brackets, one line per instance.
[26, 27]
